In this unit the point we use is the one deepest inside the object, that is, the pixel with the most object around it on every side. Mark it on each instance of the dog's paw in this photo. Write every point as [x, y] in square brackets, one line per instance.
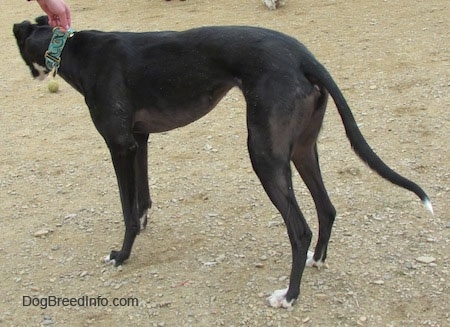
[310, 262]
[278, 299]
[113, 259]
[273, 4]
[107, 259]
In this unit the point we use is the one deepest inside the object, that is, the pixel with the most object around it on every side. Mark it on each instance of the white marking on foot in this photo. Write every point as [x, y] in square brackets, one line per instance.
[278, 299]
[310, 262]
[108, 260]
[273, 4]
[143, 219]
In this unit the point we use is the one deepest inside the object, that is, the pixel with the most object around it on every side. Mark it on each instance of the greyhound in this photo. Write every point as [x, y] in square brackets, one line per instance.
[136, 84]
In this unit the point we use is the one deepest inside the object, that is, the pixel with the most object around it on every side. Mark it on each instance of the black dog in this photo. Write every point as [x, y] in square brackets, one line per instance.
[140, 83]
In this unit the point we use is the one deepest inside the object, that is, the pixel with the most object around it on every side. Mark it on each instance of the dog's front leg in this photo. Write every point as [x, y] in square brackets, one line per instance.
[123, 156]
[141, 174]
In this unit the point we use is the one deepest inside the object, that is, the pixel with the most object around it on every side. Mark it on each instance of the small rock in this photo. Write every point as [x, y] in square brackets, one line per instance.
[42, 232]
[409, 265]
[274, 223]
[425, 259]
[47, 321]
[209, 263]
[378, 282]
[70, 216]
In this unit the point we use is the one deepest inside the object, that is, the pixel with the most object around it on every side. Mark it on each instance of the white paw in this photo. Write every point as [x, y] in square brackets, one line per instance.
[273, 4]
[310, 262]
[270, 4]
[108, 260]
[278, 299]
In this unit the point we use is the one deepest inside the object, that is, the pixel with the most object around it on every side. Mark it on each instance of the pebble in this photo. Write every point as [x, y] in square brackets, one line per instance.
[274, 223]
[47, 321]
[43, 232]
[209, 263]
[70, 216]
[425, 259]
[410, 266]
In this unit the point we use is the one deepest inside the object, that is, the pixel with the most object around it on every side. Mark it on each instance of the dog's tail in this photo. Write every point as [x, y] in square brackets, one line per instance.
[317, 73]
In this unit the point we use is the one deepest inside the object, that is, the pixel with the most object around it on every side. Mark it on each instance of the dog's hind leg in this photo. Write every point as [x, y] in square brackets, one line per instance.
[141, 173]
[307, 165]
[270, 157]
[306, 160]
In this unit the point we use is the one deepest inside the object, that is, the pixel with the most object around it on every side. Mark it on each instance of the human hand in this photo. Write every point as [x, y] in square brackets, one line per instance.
[58, 13]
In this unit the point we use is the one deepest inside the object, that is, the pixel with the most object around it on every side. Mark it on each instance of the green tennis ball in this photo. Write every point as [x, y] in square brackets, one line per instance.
[53, 86]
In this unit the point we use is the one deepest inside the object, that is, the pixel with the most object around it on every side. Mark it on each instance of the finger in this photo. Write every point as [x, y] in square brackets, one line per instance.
[64, 23]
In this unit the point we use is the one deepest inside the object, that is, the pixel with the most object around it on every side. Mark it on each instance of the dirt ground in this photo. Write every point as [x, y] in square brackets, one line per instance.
[215, 246]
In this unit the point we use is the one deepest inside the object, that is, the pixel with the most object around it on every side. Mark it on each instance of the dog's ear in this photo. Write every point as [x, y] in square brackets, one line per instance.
[42, 20]
[22, 30]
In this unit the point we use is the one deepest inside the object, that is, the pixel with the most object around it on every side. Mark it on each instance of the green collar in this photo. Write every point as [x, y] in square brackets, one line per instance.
[55, 48]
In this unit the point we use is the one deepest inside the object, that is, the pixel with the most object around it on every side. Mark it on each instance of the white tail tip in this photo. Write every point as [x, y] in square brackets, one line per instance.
[427, 204]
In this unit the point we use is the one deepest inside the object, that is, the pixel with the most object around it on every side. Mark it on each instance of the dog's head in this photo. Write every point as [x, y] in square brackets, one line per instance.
[33, 41]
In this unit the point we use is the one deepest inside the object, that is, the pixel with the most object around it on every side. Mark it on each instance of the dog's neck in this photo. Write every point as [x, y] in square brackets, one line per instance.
[55, 48]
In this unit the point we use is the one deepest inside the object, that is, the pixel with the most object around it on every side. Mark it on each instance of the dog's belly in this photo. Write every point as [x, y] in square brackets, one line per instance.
[174, 115]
